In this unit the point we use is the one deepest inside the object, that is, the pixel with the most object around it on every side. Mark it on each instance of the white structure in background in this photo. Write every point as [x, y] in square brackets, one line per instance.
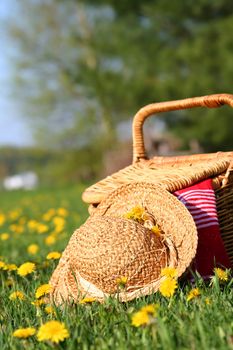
[25, 181]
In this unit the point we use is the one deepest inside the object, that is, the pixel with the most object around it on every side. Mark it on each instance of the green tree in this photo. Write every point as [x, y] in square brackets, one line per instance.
[87, 65]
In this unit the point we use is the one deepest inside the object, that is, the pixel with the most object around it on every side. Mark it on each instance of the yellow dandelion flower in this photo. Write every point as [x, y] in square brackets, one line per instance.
[121, 281]
[156, 230]
[49, 214]
[144, 316]
[168, 286]
[194, 293]
[58, 221]
[53, 256]
[169, 272]
[58, 229]
[42, 228]
[140, 318]
[43, 290]
[24, 332]
[38, 302]
[137, 214]
[32, 249]
[46, 217]
[207, 301]
[16, 228]
[50, 310]
[4, 236]
[5, 268]
[50, 240]
[62, 212]
[2, 265]
[150, 309]
[26, 268]
[2, 219]
[10, 267]
[222, 275]
[32, 224]
[54, 331]
[87, 300]
[17, 295]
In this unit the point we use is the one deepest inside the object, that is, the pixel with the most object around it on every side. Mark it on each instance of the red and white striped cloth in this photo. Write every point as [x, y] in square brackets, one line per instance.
[200, 200]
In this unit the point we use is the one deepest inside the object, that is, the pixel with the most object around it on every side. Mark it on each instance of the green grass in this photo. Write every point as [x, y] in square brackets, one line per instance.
[178, 325]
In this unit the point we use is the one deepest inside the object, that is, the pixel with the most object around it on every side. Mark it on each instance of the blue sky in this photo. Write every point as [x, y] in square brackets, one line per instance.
[13, 127]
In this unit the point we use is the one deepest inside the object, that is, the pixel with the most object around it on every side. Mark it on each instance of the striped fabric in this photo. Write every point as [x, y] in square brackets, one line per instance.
[202, 206]
[200, 200]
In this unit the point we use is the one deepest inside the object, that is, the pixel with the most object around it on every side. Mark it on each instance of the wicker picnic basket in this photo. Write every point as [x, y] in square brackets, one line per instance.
[175, 173]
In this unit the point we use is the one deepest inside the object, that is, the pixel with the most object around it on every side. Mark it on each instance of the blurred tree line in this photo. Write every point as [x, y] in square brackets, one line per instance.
[53, 167]
[84, 66]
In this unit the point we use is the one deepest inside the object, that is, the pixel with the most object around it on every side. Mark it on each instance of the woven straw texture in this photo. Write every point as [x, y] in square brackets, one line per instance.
[171, 177]
[224, 201]
[165, 209]
[108, 246]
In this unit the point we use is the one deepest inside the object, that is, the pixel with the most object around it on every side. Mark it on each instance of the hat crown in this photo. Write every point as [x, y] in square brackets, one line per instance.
[107, 248]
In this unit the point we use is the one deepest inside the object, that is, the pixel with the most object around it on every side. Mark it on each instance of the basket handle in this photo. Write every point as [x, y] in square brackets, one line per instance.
[209, 101]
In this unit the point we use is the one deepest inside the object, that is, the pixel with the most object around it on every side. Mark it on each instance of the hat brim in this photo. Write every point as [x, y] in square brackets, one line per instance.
[170, 215]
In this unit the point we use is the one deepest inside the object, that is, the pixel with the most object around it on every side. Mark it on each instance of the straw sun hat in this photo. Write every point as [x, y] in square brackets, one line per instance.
[136, 231]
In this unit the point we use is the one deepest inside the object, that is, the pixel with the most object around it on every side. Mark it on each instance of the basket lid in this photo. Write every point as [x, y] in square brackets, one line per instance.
[172, 173]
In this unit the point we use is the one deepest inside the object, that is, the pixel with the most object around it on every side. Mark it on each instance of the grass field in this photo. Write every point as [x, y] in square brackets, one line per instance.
[33, 224]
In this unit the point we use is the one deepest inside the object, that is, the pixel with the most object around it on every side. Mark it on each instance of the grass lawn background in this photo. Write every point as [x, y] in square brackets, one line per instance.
[198, 324]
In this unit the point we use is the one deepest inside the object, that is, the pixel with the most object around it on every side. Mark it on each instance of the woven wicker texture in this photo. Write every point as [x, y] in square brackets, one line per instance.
[224, 200]
[171, 177]
[108, 246]
[190, 169]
